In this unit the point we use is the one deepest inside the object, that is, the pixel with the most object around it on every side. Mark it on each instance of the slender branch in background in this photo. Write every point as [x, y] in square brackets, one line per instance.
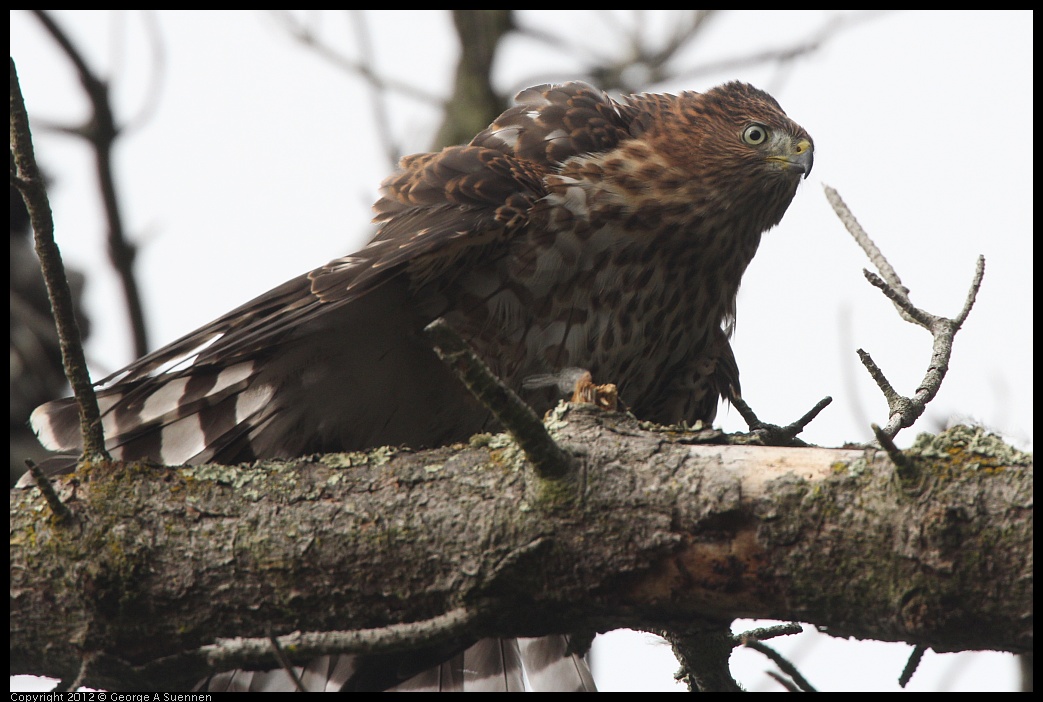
[641, 66]
[150, 102]
[473, 104]
[687, 30]
[637, 63]
[904, 411]
[784, 56]
[377, 95]
[309, 38]
[26, 176]
[101, 132]
[651, 60]
[754, 638]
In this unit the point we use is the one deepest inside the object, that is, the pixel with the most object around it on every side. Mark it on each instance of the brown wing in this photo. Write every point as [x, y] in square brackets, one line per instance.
[248, 384]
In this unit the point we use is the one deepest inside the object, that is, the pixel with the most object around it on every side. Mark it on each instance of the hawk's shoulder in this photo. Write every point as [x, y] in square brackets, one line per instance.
[437, 206]
[550, 124]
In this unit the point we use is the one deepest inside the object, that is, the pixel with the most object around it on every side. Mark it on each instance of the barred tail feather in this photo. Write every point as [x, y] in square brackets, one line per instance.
[490, 665]
[493, 665]
[550, 667]
[187, 418]
[508, 665]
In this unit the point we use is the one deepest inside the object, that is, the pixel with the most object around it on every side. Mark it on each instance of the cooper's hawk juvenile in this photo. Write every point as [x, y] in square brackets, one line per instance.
[576, 231]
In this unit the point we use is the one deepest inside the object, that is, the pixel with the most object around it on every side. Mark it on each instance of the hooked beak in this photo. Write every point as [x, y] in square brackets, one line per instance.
[798, 156]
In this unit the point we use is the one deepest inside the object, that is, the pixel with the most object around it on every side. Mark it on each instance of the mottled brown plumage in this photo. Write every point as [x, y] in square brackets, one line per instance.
[575, 231]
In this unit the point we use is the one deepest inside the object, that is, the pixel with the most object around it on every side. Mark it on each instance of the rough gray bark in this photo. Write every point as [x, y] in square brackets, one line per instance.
[655, 531]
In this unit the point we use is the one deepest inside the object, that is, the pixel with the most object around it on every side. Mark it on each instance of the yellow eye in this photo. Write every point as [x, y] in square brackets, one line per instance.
[755, 134]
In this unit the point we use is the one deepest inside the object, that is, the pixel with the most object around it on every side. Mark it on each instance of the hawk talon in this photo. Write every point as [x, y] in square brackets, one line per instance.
[586, 392]
[578, 384]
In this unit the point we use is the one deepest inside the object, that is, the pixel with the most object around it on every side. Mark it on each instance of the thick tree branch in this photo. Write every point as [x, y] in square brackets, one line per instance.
[666, 533]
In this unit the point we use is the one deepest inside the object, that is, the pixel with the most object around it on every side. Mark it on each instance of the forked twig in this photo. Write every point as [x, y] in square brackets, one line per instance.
[904, 411]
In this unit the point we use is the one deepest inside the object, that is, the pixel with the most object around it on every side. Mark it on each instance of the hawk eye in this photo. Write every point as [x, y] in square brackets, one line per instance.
[755, 134]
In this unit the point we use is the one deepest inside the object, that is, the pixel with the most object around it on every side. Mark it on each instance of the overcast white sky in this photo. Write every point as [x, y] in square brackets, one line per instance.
[261, 160]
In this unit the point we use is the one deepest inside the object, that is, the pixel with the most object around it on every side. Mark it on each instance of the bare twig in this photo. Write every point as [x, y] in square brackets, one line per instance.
[782, 680]
[912, 664]
[548, 459]
[815, 41]
[905, 468]
[769, 632]
[101, 132]
[617, 71]
[890, 394]
[453, 628]
[651, 59]
[61, 513]
[972, 294]
[300, 647]
[284, 662]
[635, 63]
[861, 237]
[772, 434]
[899, 295]
[784, 665]
[376, 95]
[25, 175]
[904, 411]
[150, 102]
[308, 38]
